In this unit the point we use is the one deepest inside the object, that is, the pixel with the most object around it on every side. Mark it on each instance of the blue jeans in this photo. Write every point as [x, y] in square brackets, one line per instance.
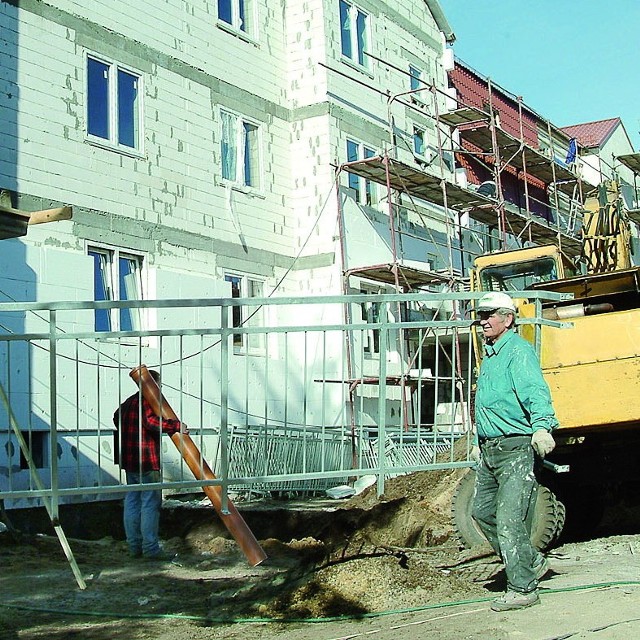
[505, 485]
[142, 515]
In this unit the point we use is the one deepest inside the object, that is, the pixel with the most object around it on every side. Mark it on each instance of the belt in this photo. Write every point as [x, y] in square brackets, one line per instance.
[485, 440]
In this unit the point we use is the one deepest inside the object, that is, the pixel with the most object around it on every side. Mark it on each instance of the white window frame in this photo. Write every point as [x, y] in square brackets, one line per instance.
[112, 286]
[370, 312]
[419, 132]
[365, 191]
[239, 177]
[356, 54]
[235, 25]
[416, 81]
[247, 316]
[111, 138]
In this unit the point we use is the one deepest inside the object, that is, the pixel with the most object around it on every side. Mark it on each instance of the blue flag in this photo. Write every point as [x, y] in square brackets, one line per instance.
[571, 153]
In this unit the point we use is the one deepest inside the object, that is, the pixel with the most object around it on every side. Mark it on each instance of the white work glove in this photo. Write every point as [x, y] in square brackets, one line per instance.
[542, 442]
[474, 454]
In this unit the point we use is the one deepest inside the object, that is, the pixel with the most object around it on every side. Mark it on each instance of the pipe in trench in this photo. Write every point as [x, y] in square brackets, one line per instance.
[232, 520]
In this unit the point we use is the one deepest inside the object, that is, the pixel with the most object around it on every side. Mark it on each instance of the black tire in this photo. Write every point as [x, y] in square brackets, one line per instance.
[548, 519]
[548, 516]
[468, 531]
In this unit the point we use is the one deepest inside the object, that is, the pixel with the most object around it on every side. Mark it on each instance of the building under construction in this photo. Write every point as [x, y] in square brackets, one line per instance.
[278, 208]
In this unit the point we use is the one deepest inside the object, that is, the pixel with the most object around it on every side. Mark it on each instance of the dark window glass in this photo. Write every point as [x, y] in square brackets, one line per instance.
[127, 109]
[352, 156]
[361, 31]
[98, 99]
[225, 11]
[236, 292]
[345, 29]
[127, 275]
[101, 289]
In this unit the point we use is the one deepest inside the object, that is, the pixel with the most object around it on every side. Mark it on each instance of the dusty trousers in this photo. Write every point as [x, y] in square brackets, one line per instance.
[505, 484]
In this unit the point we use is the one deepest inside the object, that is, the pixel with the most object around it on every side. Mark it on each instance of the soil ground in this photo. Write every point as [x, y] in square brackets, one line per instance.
[367, 567]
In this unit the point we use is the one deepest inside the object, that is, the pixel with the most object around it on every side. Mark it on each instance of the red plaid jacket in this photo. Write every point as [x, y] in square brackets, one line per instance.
[137, 442]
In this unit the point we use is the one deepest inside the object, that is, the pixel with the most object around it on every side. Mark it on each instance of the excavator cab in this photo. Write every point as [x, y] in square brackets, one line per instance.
[518, 270]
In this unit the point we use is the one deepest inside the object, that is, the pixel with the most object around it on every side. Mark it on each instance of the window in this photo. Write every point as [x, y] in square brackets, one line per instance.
[354, 33]
[116, 276]
[518, 276]
[364, 191]
[113, 104]
[419, 141]
[249, 316]
[417, 85]
[371, 312]
[237, 14]
[240, 150]
[414, 78]
[36, 441]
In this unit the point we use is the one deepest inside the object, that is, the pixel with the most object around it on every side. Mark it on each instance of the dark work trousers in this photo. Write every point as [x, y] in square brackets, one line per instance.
[505, 486]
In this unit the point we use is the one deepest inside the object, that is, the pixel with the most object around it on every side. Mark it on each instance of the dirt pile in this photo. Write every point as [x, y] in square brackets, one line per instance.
[362, 555]
[394, 555]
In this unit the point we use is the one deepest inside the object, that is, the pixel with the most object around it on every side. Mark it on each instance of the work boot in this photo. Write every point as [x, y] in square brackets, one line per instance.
[514, 600]
[161, 556]
[541, 568]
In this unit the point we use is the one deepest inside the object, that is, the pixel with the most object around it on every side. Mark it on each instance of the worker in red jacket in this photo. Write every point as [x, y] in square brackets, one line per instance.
[137, 449]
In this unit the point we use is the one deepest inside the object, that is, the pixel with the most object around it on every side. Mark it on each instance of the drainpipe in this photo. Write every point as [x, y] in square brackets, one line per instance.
[230, 517]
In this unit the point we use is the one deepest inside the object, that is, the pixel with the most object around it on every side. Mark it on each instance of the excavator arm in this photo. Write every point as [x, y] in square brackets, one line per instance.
[605, 231]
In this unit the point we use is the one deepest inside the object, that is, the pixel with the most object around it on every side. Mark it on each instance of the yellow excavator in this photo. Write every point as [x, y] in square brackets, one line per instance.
[592, 366]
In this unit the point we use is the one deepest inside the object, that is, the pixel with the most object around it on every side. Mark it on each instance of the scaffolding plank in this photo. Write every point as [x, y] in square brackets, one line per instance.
[418, 183]
[540, 231]
[634, 214]
[631, 161]
[464, 115]
[518, 154]
[408, 277]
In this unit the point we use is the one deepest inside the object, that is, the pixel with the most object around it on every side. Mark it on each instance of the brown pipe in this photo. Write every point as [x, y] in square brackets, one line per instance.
[236, 526]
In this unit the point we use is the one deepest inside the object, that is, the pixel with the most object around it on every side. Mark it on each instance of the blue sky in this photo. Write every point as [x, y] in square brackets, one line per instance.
[572, 61]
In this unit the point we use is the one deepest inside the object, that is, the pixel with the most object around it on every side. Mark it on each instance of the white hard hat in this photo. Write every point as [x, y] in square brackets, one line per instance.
[495, 300]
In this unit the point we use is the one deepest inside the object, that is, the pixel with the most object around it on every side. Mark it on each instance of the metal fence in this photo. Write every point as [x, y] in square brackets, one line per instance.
[280, 394]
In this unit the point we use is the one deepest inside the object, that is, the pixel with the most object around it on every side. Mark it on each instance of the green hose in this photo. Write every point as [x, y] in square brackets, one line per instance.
[379, 614]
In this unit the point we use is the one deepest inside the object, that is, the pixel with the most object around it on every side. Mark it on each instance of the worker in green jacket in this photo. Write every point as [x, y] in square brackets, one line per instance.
[514, 419]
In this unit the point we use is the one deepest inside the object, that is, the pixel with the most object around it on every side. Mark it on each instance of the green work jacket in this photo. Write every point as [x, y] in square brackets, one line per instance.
[512, 397]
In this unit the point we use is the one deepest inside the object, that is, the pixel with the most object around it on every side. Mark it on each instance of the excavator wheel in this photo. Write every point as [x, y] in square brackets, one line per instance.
[548, 516]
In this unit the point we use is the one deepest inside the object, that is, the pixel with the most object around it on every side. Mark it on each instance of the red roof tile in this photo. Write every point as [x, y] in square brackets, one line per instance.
[592, 134]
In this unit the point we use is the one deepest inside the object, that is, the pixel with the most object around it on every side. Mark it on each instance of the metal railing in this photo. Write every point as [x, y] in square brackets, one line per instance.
[272, 401]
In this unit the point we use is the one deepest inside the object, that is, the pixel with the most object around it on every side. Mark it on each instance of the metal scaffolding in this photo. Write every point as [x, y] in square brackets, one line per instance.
[547, 207]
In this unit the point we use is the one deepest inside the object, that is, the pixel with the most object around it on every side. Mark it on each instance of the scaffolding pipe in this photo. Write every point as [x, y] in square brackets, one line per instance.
[230, 517]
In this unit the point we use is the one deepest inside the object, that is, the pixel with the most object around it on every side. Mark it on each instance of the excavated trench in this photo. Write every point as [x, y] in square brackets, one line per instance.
[325, 557]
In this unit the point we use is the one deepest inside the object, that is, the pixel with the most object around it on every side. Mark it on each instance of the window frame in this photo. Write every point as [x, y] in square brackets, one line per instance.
[417, 85]
[366, 191]
[415, 136]
[238, 9]
[370, 312]
[113, 108]
[38, 445]
[239, 181]
[356, 54]
[113, 288]
[245, 343]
